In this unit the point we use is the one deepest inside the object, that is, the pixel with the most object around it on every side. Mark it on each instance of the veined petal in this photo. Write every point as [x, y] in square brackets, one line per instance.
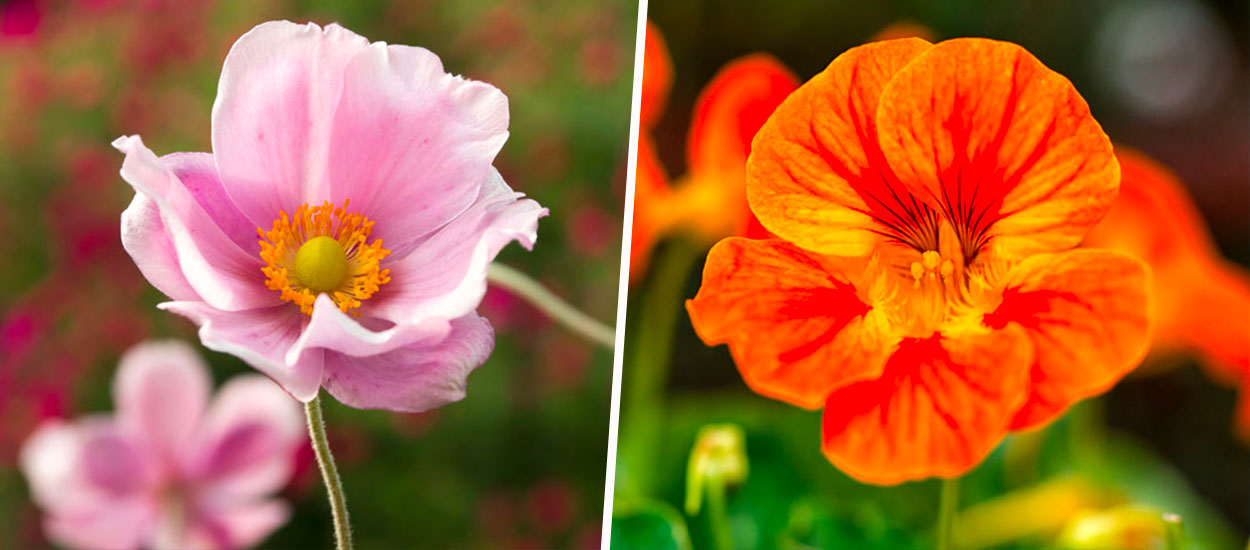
[444, 275]
[1005, 147]
[246, 447]
[207, 247]
[161, 390]
[1086, 313]
[792, 319]
[151, 247]
[938, 408]
[260, 337]
[279, 88]
[421, 376]
[411, 145]
[816, 176]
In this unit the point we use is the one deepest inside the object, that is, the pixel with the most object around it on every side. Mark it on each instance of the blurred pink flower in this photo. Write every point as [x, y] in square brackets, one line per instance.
[366, 144]
[169, 469]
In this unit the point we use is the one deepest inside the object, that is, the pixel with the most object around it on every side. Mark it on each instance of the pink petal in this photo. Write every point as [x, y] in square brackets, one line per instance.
[145, 239]
[261, 338]
[411, 144]
[249, 437]
[331, 329]
[92, 481]
[415, 378]
[123, 525]
[235, 525]
[271, 121]
[160, 392]
[444, 276]
[221, 272]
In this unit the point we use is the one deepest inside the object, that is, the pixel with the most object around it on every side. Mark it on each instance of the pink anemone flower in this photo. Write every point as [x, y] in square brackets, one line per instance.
[339, 233]
[169, 469]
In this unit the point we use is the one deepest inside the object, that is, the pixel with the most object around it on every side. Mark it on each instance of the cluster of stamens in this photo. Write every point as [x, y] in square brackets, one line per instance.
[930, 266]
[323, 249]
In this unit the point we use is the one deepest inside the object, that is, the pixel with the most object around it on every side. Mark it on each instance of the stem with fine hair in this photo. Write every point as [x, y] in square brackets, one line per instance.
[522, 285]
[948, 504]
[329, 474]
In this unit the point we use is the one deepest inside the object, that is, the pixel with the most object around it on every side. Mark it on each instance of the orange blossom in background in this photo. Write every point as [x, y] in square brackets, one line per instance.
[1201, 301]
[710, 201]
[924, 288]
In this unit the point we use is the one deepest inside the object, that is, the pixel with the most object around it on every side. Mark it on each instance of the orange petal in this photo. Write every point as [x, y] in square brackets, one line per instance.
[731, 109]
[793, 322]
[1200, 299]
[941, 405]
[816, 176]
[728, 113]
[657, 77]
[1003, 145]
[1086, 312]
[904, 29]
[650, 206]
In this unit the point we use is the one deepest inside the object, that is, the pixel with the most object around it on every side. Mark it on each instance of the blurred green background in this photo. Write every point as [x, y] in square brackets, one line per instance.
[1167, 77]
[520, 462]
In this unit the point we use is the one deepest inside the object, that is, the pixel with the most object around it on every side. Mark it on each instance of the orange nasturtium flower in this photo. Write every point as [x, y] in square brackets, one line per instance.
[924, 288]
[710, 201]
[1201, 300]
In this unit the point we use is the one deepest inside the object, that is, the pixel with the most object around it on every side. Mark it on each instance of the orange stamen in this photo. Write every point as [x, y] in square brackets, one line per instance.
[280, 245]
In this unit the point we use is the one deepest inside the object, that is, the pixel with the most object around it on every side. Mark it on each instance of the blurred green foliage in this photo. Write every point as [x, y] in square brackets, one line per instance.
[518, 463]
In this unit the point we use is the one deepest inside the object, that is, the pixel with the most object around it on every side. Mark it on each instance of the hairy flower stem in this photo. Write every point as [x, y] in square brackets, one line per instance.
[522, 285]
[947, 506]
[329, 474]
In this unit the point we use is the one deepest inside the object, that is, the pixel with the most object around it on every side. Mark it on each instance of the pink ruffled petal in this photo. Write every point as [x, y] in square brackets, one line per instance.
[222, 273]
[444, 275]
[331, 329]
[160, 392]
[272, 119]
[248, 440]
[145, 239]
[415, 378]
[198, 172]
[411, 144]
[261, 338]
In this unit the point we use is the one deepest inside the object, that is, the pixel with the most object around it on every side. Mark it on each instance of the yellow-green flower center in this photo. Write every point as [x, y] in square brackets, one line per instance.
[321, 264]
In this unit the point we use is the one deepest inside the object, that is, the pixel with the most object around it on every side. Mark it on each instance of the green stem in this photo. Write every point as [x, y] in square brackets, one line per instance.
[947, 506]
[717, 516]
[646, 363]
[329, 474]
[560, 311]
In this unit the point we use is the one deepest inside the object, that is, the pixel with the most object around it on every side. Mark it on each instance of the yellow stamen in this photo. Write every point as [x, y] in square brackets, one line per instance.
[323, 249]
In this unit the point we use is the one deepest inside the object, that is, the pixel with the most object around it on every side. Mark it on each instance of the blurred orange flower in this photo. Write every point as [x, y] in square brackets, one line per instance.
[1201, 300]
[924, 289]
[710, 202]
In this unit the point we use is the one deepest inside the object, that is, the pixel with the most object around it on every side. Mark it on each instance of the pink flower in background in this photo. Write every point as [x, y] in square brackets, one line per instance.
[170, 469]
[366, 171]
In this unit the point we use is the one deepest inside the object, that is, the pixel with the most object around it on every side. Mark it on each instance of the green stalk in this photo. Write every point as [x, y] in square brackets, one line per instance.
[329, 474]
[948, 504]
[558, 310]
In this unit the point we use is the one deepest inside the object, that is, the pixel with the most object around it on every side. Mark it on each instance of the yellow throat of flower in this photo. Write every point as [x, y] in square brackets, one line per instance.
[323, 249]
